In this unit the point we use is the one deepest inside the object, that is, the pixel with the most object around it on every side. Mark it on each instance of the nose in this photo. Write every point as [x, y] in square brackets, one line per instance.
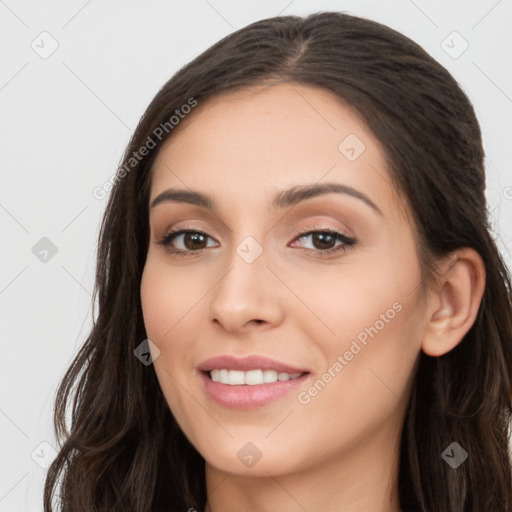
[246, 296]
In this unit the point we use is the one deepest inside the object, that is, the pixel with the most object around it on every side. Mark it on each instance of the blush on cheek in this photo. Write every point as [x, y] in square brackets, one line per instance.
[159, 306]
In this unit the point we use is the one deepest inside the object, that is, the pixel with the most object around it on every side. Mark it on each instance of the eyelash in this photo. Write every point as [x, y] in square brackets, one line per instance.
[347, 242]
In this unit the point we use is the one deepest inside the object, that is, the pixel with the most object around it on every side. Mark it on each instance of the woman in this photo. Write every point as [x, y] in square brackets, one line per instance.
[301, 306]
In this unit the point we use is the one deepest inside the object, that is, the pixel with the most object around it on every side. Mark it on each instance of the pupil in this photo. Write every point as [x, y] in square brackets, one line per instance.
[195, 237]
[322, 238]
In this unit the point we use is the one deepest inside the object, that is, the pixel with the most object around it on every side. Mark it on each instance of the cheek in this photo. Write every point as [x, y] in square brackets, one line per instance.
[169, 300]
[369, 335]
[367, 373]
[346, 298]
[171, 303]
[163, 306]
[360, 302]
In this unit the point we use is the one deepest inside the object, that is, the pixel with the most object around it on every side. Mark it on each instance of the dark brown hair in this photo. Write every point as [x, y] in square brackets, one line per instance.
[124, 451]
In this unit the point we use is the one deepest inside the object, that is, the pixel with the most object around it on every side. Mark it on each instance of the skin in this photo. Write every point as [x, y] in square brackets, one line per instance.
[339, 451]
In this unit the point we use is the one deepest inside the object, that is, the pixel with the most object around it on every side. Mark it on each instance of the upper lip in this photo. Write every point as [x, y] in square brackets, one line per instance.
[253, 362]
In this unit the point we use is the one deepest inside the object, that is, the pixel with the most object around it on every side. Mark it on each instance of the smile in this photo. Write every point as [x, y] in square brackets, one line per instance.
[251, 377]
[249, 382]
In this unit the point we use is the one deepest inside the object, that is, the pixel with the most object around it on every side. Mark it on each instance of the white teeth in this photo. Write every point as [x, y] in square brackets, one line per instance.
[269, 376]
[251, 377]
[236, 377]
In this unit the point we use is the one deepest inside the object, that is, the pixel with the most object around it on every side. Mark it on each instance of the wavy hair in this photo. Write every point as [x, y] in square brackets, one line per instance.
[123, 450]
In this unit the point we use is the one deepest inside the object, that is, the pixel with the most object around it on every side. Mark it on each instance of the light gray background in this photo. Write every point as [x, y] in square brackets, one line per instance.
[66, 118]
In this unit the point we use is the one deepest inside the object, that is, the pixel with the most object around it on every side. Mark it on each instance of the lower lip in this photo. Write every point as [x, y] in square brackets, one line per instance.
[246, 397]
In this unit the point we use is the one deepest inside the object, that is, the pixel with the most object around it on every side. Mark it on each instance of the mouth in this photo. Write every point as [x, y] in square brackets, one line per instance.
[250, 382]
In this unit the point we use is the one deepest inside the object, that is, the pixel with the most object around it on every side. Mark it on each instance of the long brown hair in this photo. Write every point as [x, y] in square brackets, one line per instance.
[123, 450]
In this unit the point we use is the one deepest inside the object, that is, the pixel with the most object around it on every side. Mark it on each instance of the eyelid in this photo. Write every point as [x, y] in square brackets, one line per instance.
[316, 228]
[339, 235]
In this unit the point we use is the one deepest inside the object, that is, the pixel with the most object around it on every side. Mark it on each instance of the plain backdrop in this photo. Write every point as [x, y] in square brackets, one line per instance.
[75, 78]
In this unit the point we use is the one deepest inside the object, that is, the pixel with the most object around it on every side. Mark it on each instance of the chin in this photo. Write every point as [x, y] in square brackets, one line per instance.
[250, 458]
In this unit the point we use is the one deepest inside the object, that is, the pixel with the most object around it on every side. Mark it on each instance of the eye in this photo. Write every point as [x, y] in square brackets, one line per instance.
[322, 240]
[192, 241]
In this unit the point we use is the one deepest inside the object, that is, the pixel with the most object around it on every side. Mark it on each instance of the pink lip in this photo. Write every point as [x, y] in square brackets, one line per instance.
[245, 364]
[245, 397]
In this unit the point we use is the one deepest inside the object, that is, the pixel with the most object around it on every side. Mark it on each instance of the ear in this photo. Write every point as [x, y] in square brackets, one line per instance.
[453, 307]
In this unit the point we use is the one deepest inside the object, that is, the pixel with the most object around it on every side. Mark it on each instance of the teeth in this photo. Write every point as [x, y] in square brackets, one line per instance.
[269, 376]
[251, 378]
[236, 377]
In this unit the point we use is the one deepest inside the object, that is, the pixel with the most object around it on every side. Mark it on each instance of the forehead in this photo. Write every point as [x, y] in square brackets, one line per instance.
[266, 138]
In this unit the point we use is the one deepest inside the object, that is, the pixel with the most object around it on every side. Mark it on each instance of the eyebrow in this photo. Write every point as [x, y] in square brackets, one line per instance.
[283, 199]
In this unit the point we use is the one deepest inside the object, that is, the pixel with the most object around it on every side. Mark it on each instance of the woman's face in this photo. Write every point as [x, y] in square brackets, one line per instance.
[251, 286]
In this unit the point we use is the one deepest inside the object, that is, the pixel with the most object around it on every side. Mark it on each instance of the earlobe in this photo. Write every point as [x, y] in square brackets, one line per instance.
[453, 309]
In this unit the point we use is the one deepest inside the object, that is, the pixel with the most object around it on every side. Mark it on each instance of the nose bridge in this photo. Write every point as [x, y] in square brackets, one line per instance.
[247, 254]
[246, 291]
[247, 269]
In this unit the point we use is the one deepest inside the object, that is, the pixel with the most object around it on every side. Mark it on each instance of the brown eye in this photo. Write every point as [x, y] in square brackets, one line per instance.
[322, 241]
[191, 241]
